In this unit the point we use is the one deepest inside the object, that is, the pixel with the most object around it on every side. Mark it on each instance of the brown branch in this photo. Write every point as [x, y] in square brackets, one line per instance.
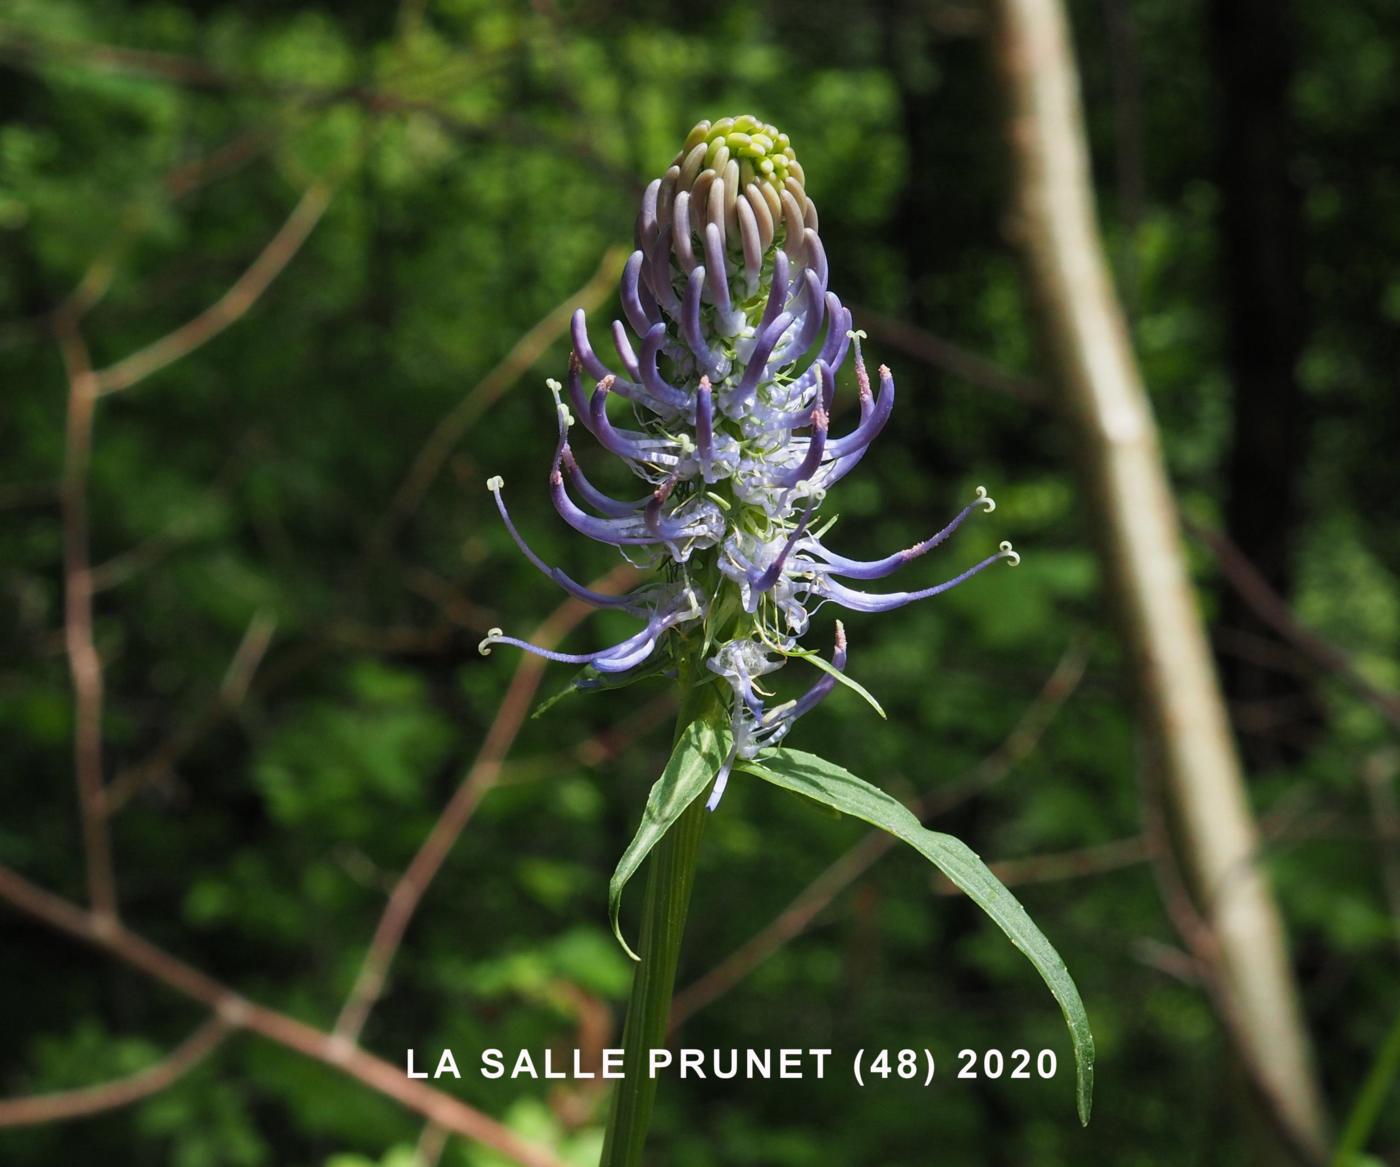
[67, 1104]
[230, 307]
[953, 359]
[233, 690]
[1203, 964]
[1079, 863]
[480, 777]
[455, 605]
[809, 903]
[1098, 384]
[84, 664]
[98, 276]
[431, 1144]
[32, 52]
[1275, 611]
[1379, 775]
[257, 638]
[1025, 735]
[524, 353]
[238, 1012]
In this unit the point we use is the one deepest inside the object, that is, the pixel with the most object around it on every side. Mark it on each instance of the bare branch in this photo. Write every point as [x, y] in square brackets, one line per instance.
[233, 690]
[237, 1011]
[58, 1107]
[1275, 611]
[953, 359]
[484, 771]
[431, 1144]
[84, 664]
[1204, 966]
[1079, 863]
[1379, 775]
[524, 353]
[251, 649]
[1128, 494]
[230, 307]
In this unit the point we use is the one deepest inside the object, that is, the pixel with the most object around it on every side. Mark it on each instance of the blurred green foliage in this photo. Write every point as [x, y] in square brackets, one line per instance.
[483, 156]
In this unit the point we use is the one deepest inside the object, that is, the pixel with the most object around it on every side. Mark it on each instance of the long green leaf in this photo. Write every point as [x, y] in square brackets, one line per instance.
[700, 752]
[836, 787]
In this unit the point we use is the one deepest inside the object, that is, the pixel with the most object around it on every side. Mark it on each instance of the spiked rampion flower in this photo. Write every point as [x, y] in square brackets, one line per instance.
[725, 297]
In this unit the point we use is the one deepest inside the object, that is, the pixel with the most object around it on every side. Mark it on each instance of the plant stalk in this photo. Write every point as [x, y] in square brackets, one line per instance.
[669, 882]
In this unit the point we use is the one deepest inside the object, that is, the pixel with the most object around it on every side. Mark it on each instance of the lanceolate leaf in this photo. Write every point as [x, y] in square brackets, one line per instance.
[695, 761]
[833, 786]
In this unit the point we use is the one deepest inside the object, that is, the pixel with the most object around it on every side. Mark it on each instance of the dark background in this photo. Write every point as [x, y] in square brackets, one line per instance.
[293, 688]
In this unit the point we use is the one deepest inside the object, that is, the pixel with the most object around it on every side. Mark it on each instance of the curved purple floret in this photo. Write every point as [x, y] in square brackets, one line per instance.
[870, 425]
[570, 585]
[638, 311]
[856, 601]
[879, 568]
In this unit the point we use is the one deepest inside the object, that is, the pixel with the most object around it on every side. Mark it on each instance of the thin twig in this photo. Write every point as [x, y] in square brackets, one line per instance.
[480, 777]
[231, 306]
[1096, 859]
[1117, 447]
[1274, 610]
[27, 51]
[101, 271]
[63, 1105]
[233, 690]
[251, 650]
[951, 358]
[237, 1011]
[1211, 971]
[809, 903]
[84, 664]
[524, 353]
[1378, 773]
[431, 1144]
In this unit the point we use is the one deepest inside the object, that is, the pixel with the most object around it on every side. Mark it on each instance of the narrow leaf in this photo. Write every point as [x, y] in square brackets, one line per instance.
[695, 761]
[833, 786]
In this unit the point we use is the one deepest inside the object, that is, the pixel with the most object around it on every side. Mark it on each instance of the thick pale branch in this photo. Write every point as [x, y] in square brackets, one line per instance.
[1098, 384]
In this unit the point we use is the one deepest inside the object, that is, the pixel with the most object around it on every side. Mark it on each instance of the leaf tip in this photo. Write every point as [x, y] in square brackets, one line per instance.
[1084, 1094]
[617, 935]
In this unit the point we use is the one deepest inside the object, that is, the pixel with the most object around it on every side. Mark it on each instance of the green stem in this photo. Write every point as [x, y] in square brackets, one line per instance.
[669, 882]
[1371, 1101]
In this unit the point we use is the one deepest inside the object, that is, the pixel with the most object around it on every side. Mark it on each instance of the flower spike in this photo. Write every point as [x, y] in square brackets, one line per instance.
[723, 298]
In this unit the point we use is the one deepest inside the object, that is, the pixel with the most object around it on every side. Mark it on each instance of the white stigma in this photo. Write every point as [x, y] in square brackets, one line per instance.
[492, 635]
[557, 390]
[1009, 553]
[984, 497]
